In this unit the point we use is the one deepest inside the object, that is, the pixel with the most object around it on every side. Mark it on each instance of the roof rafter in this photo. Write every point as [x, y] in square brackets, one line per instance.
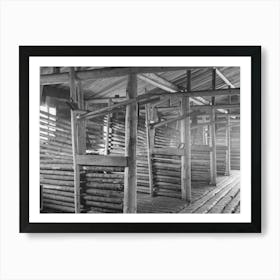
[159, 82]
[108, 72]
[224, 78]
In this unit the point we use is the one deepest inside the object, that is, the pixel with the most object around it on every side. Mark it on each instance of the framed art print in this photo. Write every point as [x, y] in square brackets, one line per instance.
[140, 138]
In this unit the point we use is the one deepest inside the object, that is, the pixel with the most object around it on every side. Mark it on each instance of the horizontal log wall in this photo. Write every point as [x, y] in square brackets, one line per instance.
[142, 158]
[167, 168]
[221, 150]
[95, 132]
[235, 148]
[200, 165]
[56, 164]
[103, 190]
[117, 147]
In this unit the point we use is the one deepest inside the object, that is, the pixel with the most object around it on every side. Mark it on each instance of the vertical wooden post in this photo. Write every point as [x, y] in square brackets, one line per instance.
[108, 125]
[228, 165]
[152, 130]
[186, 139]
[149, 151]
[74, 129]
[81, 124]
[213, 161]
[41, 198]
[41, 94]
[130, 182]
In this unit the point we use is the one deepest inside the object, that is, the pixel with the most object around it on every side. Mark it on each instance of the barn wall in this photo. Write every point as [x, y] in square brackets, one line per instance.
[56, 164]
[102, 188]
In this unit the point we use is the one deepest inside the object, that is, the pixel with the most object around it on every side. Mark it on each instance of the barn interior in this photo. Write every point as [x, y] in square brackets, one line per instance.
[140, 140]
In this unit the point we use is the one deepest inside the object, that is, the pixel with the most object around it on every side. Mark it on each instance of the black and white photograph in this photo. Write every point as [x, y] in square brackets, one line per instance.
[140, 139]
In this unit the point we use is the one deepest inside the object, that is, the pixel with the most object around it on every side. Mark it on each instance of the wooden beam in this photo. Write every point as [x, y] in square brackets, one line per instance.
[101, 73]
[228, 136]
[41, 94]
[108, 125]
[224, 78]
[162, 123]
[109, 109]
[130, 180]
[101, 160]
[215, 107]
[208, 123]
[166, 122]
[170, 87]
[231, 125]
[105, 100]
[200, 93]
[186, 140]
[213, 160]
[169, 151]
[204, 148]
[149, 152]
[147, 98]
[81, 124]
[159, 82]
[74, 136]
[228, 165]
[162, 101]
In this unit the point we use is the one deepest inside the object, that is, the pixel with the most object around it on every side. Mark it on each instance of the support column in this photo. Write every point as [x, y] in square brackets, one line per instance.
[213, 161]
[74, 130]
[228, 165]
[186, 139]
[130, 183]
[149, 151]
[81, 124]
[107, 140]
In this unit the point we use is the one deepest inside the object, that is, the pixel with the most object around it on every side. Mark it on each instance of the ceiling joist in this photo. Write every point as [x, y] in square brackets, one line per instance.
[100, 73]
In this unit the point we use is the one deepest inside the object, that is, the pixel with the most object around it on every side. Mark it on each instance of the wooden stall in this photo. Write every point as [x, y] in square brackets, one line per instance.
[139, 140]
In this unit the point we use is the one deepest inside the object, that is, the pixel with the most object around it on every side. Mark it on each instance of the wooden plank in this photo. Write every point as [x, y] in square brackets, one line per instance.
[207, 196]
[74, 134]
[101, 160]
[168, 151]
[207, 123]
[162, 123]
[213, 155]
[81, 124]
[228, 165]
[141, 98]
[158, 81]
[101, 73]
[224, 78]
[149, 151]
[130, 203]
[200, 93]
[206, 208]
[201, 148]
[233, 204]
[221, 204]
[186, 140]
[220, 106]
[108, 125]
[178, 118]
[41, 95]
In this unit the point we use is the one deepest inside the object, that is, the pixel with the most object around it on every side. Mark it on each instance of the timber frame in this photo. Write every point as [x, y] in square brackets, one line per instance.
[79, 115]
[192, 103]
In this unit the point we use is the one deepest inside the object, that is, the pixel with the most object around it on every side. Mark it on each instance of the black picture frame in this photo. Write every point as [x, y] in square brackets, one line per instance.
[25, 52]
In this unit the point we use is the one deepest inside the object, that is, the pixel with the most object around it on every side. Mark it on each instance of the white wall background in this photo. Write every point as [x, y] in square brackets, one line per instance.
[139, 256]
